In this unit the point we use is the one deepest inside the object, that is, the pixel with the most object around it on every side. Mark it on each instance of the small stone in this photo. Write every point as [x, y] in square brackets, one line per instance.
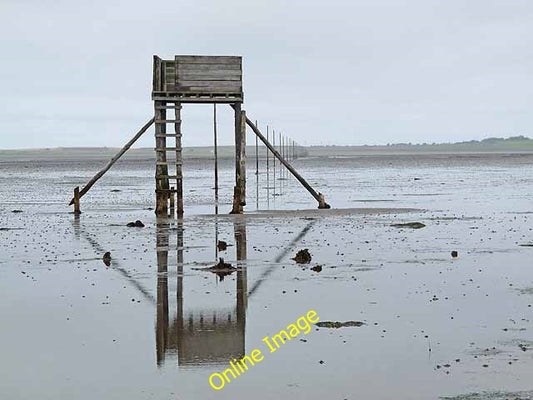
[337, 324]
[412, 225]
[455, 254]
[317, 268]
[303, 257]
[107, 258]
[136, 224]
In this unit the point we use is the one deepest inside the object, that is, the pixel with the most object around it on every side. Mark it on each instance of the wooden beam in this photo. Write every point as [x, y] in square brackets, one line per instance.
[114, 159]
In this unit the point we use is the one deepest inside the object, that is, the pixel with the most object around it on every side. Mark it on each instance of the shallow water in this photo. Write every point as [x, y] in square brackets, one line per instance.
[155, 325]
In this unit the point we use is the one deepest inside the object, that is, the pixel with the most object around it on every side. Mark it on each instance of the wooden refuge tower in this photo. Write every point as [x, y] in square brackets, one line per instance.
[193, 79]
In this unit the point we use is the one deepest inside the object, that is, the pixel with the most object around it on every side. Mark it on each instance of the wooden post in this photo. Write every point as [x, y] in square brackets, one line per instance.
[274, 162]
[280, 149]
[284, 153]
[293, 153]
[239, 193]
[161, 168]
[77, 200]
[242, 159]
[256, 153]
[267, 167]
[179, 159]
[215, 145]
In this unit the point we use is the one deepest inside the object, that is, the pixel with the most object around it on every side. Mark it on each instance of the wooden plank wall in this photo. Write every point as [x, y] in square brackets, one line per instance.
[202, 74]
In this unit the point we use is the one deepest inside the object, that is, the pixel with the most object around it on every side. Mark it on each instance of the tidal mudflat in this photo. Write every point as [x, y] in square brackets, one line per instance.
[403, 317]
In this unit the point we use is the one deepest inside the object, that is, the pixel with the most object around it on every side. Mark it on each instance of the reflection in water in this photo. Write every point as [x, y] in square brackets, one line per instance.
[79, 232]
[197, 336]
[210, 336]
[280, 257]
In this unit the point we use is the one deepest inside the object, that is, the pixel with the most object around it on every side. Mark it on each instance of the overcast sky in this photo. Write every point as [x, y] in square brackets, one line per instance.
[78, 73]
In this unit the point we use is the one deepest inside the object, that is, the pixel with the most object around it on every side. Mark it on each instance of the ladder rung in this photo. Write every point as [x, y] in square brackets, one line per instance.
[168, 149]
[168, 163]
[162, 135]
[167, 107]
[167, 121]
[166, 177]
[166, 190]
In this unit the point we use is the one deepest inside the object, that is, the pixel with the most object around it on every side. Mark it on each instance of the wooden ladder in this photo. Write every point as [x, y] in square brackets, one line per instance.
[168, 178]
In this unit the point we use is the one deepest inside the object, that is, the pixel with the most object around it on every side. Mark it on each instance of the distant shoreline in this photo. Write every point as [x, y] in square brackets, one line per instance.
[518, 144]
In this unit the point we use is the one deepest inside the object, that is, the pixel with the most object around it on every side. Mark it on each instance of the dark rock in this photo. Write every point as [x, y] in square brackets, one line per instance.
[317, 268]
[107, 258]
[303, 257]
[136, 224]
[412, 225]
[336, 324]
[455, 254]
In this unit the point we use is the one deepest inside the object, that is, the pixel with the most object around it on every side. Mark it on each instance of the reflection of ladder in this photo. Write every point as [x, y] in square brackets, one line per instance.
[165, 176]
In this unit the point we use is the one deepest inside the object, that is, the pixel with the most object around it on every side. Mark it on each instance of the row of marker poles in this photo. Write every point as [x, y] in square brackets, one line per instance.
[287, 147]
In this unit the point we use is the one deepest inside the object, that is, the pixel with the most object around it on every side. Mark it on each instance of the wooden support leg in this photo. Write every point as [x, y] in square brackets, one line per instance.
[77, 200]
[179, 159]
[242, 159]
[239, 192]
[161, 169]
[215, 146]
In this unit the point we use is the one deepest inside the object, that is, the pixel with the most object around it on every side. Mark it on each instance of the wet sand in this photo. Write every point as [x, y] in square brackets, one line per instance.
[155, 324]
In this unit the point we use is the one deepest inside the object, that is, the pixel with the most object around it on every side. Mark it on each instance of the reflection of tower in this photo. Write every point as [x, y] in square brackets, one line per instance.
[200, 333]
[242, 287]
[162, 291]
